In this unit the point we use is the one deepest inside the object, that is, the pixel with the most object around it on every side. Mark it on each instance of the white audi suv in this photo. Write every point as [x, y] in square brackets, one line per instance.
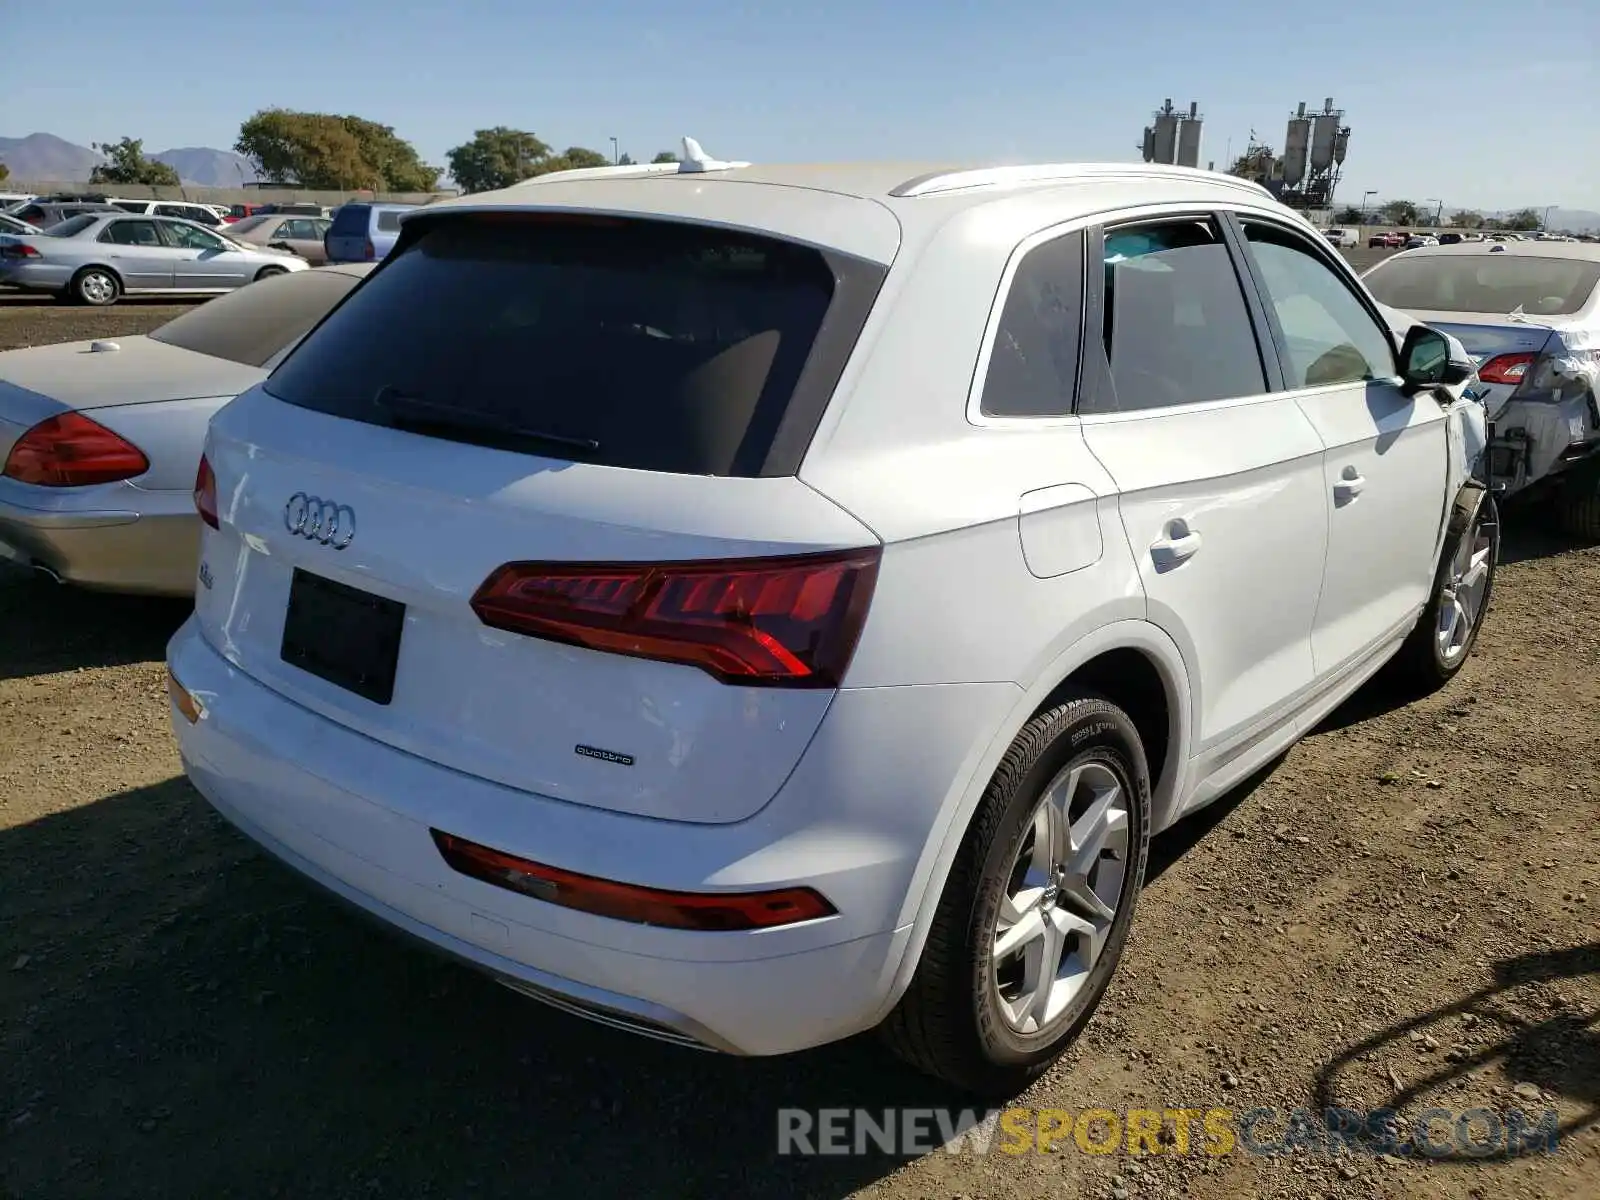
[748, 605]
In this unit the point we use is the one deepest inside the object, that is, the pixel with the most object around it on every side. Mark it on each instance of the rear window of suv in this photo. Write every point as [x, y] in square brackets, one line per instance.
[350, 220]
[632, 343]
[1485, 283]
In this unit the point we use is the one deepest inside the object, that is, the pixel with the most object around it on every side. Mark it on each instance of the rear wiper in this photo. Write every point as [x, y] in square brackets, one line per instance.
[406, 409]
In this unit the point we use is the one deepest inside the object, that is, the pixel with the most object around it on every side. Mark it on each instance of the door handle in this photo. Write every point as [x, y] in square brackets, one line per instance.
[1176, 547]
[1350, 485]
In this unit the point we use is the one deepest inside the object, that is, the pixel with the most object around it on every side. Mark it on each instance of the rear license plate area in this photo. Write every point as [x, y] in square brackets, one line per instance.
[341, 634]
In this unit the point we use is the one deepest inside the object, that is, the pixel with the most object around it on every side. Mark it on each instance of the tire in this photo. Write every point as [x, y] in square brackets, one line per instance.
[1580, 512]
[958, 1020]
[1426, 661]
[268, 273]
[95, 286]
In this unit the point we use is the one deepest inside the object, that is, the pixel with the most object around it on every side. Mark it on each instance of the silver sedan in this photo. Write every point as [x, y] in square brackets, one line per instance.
[100, 441]
[96, 258]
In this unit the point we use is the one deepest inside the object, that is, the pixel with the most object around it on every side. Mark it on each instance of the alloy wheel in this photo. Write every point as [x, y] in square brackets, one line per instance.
[1061, 896]
[97, 288]
[1465, 589]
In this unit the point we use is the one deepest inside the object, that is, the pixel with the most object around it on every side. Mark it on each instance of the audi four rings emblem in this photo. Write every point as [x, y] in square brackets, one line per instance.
[318, 520]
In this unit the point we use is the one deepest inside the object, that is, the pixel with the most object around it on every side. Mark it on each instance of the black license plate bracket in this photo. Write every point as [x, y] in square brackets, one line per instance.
[343, 635]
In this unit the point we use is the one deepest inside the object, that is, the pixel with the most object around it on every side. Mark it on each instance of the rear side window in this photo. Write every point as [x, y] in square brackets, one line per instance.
[389, 220]
[351, 221]
[1177, 330]
[1033, 364]
[629, 343]
[72, 226]
[131, 233]
[1491, 282]
[252, 324]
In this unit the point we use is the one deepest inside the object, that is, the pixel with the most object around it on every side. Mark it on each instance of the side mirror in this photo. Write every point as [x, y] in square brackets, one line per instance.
[1425, 361]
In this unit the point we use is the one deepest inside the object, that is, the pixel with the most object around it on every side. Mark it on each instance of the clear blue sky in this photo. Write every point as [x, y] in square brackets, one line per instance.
[1479, 105]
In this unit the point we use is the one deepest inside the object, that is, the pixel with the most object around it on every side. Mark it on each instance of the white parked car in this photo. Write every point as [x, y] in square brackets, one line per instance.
[751, 605]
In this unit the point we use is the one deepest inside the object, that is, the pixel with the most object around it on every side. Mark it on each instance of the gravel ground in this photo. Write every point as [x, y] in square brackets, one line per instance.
[1404, 912]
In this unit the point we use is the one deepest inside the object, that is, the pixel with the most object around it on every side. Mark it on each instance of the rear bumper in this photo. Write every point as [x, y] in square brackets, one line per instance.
[354, 815]
[36, 277]
[132, 541]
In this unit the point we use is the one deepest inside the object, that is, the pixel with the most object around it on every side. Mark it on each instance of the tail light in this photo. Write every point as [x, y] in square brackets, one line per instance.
[705, 911]
[70, 450]
[205, 493]
[372, 251]
[18, 250]
[790, 621]
[1506, 368]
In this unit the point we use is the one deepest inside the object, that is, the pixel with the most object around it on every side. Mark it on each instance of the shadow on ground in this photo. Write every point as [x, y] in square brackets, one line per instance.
[1541, 1040]
[182, 1016]
[46, 627]
[1533, 530]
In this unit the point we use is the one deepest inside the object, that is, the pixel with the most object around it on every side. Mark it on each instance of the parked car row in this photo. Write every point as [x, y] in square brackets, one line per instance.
[359, 231]
[98, 257]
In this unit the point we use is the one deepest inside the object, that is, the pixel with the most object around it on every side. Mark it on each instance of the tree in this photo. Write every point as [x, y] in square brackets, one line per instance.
[626, 161]
[1523, 220]
[1350, 215]
[126, 163]
[665, 156]
[1399, 212]
[496, 158]
[577, 157]
[327, 152]
[5, 172]
[1466, 219]
[398, 164]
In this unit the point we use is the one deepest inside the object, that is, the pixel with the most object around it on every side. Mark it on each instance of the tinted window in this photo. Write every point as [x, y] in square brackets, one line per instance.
[71, 227]
[388, 220]
[131, 233]
[351, 220]
[1176, 327]
[1488, 282]
[639, 344]
[133, 206]
[1331, 338]
[247, 224]
[252, 324]
[1033, 364]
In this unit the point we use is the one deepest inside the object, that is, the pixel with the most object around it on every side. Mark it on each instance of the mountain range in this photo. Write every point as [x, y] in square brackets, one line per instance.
[45, 157]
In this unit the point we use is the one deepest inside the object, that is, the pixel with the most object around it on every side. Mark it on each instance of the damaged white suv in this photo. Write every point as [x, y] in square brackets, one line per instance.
[751, 605]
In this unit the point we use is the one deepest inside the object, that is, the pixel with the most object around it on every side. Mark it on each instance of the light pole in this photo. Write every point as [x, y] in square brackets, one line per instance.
[1438, 213]
[615, 157]
[1364, 195]
[1547, 209]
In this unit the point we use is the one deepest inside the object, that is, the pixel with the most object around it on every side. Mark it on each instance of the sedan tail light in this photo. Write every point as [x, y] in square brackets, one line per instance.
[70, 450]
[1506, 368]
[790, 621]
[205, 493]
[18, 250]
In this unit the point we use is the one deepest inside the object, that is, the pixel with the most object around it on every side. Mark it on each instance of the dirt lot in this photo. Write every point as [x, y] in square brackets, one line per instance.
[1405, 912]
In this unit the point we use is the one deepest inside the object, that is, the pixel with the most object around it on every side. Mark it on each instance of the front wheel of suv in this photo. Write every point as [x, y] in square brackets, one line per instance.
[1444, 635]
[1037, 907]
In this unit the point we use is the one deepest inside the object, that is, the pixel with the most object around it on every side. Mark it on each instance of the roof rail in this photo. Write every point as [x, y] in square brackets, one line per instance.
[942, 182]
[692, 161]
